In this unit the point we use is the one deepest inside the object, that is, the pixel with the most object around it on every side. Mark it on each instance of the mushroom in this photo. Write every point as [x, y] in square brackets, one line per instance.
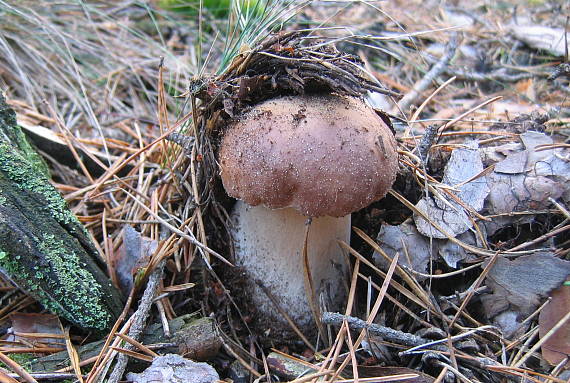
[290, 158]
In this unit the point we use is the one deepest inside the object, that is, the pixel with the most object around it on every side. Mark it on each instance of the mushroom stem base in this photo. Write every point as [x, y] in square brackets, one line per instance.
[269, 248]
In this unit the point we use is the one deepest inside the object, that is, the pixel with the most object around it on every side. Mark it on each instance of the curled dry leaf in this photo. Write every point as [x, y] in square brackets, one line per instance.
[416, 250]
[519, 192]
[413, 248]
[453, 219]
[134, 254]
[557, 347]
[460, 173]
[526, 178]
[452, 253]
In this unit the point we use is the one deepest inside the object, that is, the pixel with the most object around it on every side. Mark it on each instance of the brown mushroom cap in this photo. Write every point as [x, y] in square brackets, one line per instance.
[324, 155]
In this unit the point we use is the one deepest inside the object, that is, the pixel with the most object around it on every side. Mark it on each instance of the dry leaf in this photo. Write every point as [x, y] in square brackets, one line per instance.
[521, 284]
[413, 248]
[134, 254]
[463, 165]
[452, 253]
[30, 323]
[557, 347]
[526, 179]
[519, 192]
[453, 220]
[526, 87]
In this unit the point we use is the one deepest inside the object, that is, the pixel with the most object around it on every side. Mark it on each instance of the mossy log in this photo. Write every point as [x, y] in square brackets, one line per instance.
[44, 249]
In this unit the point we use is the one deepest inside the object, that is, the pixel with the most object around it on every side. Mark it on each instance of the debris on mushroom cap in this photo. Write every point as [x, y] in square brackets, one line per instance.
[320, 154]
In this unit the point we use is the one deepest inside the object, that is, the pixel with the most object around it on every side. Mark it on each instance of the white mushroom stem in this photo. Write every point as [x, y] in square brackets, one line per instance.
[269, 247]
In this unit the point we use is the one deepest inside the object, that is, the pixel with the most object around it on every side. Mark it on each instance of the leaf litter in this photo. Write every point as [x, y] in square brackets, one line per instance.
[132, 257]
[462, 174]
[495, 181]
[518, 288]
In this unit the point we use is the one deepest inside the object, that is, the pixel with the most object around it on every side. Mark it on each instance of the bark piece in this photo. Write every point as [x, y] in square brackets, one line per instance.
[195, 338]
[287, 368]
[541, 37]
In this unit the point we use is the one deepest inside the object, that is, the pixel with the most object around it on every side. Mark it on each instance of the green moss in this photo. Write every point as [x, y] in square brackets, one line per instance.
[23, 359]
[30, 154]
[25, 175]
[11, 267]
[12, 134]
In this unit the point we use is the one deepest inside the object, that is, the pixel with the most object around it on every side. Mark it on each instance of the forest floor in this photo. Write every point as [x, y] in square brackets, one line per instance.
[457, 275]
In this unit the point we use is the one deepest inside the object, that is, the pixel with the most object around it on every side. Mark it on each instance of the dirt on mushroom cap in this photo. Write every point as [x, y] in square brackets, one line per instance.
[324, 155]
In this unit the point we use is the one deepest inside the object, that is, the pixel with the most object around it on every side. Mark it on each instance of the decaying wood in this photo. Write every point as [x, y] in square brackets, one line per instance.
[44, 249]
[193, 337]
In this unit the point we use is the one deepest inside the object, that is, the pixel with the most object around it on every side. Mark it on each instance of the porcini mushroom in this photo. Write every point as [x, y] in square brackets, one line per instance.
[290, 158]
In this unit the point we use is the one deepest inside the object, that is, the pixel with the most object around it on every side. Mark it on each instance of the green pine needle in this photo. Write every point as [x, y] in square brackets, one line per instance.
[251, 21]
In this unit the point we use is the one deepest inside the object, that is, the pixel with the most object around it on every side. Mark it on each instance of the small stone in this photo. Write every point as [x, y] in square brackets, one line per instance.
[173, 368]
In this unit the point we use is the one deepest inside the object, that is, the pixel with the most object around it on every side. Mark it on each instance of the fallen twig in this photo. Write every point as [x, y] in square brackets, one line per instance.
[417, 343]
[499, 75]
[139, 321]
[430, 76]
[388, 334]
[427, 141]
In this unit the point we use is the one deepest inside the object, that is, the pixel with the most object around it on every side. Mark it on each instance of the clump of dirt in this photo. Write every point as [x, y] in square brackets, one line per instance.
[282, 65]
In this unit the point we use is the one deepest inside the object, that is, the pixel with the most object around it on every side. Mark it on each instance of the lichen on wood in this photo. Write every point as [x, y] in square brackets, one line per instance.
[44, 249]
